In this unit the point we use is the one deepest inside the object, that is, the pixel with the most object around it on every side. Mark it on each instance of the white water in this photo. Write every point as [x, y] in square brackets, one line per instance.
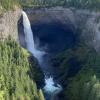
[30, 39]
[50, 84]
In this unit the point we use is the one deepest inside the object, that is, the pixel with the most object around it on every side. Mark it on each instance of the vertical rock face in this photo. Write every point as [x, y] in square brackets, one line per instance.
[91, 31]
[8, 24]
[84, 22]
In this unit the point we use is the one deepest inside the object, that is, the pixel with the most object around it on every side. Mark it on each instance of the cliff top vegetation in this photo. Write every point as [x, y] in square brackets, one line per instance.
[83, 4]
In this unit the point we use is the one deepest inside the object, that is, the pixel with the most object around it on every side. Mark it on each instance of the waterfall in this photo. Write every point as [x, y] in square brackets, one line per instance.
[50, 86]
[30, 39]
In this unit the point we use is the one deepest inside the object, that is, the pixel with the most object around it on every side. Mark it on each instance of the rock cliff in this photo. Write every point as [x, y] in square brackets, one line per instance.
[84, 22]
[8, 24]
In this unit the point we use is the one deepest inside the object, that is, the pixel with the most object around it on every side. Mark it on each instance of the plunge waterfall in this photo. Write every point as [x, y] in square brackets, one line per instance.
[31, 46]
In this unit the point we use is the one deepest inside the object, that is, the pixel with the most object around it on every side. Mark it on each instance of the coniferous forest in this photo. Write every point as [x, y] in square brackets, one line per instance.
[16, 82]
[85, 4]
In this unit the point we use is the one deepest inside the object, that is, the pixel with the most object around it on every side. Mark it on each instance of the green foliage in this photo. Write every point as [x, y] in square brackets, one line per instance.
[8, 4]
[15, 80]
[85, 86]
[79, 73]
[91, 4]
[41, 95]
[87, 4]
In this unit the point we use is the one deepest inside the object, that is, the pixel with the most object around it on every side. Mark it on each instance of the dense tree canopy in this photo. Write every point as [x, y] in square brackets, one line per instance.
[79, 73]
[15, 80]
[91, 4]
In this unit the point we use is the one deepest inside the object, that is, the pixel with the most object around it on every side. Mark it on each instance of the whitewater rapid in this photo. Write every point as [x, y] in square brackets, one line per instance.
[49, 87]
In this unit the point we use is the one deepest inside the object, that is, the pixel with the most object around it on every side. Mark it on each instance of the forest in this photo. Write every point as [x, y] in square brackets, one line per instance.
[91, 4]
[79, 73]
[18, 77]
[83, 4]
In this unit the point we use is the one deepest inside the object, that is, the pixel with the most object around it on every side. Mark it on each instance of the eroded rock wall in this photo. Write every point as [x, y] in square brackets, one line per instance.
[86, 22]
[8, 24]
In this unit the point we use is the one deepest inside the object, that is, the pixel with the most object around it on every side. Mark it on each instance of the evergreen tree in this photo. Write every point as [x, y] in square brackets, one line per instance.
[15, 80]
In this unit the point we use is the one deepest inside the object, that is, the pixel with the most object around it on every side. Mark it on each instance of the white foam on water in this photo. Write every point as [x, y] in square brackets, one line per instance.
[50, 86]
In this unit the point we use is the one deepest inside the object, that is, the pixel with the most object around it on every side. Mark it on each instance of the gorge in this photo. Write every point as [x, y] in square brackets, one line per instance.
[51, 30]
[64, 42]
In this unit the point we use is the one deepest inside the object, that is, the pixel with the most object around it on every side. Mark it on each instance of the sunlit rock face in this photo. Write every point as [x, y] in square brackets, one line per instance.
[8, 24]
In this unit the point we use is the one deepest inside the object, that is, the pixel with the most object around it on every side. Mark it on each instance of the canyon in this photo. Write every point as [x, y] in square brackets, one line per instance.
[55, 30]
